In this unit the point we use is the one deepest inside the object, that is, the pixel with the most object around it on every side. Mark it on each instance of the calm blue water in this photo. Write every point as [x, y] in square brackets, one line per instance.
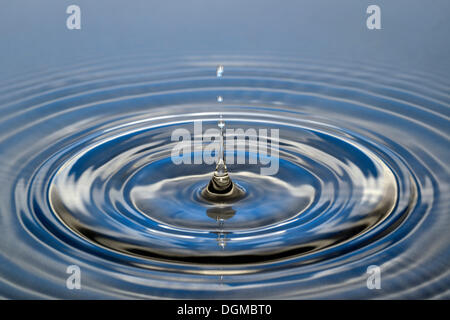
[85, 146]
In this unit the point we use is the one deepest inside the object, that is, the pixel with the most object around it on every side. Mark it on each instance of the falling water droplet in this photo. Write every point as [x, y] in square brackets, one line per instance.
[219, 71]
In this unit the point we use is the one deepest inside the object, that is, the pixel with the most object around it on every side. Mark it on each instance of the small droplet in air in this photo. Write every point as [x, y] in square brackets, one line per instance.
[219, 71]
[219, 99]
[221, 124]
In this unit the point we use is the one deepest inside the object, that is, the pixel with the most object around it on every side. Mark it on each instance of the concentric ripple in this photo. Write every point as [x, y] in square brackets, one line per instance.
[88, 180]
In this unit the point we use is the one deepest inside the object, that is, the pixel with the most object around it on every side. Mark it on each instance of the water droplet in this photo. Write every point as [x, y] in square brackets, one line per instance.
[219, 99]
[219, 71]
[221, 123]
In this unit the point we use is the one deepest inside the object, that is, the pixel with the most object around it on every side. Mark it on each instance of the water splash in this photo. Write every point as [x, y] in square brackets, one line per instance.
[87, 179]
[220, 188]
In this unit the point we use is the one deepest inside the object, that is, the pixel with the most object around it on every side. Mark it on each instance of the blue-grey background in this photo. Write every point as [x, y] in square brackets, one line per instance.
[415, 33]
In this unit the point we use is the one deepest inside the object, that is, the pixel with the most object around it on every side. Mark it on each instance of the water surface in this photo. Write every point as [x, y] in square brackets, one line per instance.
[87, 179]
